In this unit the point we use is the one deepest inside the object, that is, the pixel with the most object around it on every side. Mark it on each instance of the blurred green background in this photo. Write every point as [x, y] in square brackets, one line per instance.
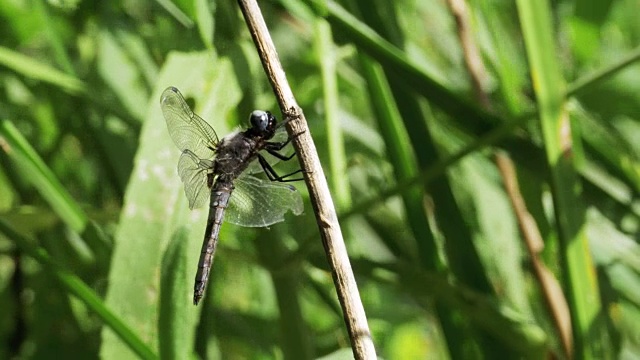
[407, 101]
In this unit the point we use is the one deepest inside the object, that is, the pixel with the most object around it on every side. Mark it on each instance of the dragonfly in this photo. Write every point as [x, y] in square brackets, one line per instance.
[222, 171]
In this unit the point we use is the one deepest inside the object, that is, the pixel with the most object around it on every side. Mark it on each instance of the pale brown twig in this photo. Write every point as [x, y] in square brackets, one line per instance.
[551, 289]
[323, 206]
[472, 57]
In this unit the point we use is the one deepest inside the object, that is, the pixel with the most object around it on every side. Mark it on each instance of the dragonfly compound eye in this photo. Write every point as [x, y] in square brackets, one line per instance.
[262, 121]
[259, 120]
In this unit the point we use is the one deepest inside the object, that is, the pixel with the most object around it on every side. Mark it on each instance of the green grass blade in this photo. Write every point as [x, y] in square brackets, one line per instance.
[178, 13]
[294, 336]
[587, 82]
[549, 86]
[75, 286]
[462, 257]
[56, 41]
[34, 170]
[34, 69]
[204, 19]
[399, 151]
[395, 61]
[326, 54]
[504, 323]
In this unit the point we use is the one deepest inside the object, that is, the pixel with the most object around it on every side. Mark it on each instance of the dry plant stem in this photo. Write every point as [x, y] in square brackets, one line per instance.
[472, 57]
[551, 289]
[353, 311]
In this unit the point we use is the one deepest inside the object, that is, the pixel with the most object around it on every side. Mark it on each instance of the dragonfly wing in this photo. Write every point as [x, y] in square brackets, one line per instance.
[193, 172]
[258, 203]
[188, 131]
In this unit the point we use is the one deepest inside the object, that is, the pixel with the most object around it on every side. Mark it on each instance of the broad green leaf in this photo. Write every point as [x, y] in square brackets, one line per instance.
[155, 205]
[175, 322]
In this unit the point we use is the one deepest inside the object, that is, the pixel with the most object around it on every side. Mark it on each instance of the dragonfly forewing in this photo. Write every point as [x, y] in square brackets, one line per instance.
[188, 131]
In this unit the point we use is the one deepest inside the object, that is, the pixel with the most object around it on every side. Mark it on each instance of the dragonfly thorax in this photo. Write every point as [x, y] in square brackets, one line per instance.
[234, 153]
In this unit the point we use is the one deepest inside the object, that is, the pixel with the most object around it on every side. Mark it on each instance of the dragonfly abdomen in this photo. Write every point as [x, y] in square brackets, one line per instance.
[220, 194]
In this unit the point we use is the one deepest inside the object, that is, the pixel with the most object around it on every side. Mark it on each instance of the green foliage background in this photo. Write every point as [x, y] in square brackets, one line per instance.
[98, 248]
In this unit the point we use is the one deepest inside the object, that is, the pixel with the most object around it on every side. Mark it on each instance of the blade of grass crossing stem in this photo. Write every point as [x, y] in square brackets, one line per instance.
[76, 287]
[466, 264]
[396, 61]
[400, 154]
[581, 282]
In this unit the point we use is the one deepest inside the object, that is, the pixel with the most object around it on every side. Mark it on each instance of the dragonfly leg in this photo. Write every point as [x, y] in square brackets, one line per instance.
[273, 175]
[280, 156]
[275, 145]
[273, 148]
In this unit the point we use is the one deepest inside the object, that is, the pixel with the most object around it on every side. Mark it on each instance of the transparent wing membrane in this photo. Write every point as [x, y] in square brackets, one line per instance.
[188, 131]
[193, 172]
[257, 203]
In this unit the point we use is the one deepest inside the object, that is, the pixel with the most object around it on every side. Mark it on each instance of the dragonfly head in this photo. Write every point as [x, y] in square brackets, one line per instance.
[263, 123]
